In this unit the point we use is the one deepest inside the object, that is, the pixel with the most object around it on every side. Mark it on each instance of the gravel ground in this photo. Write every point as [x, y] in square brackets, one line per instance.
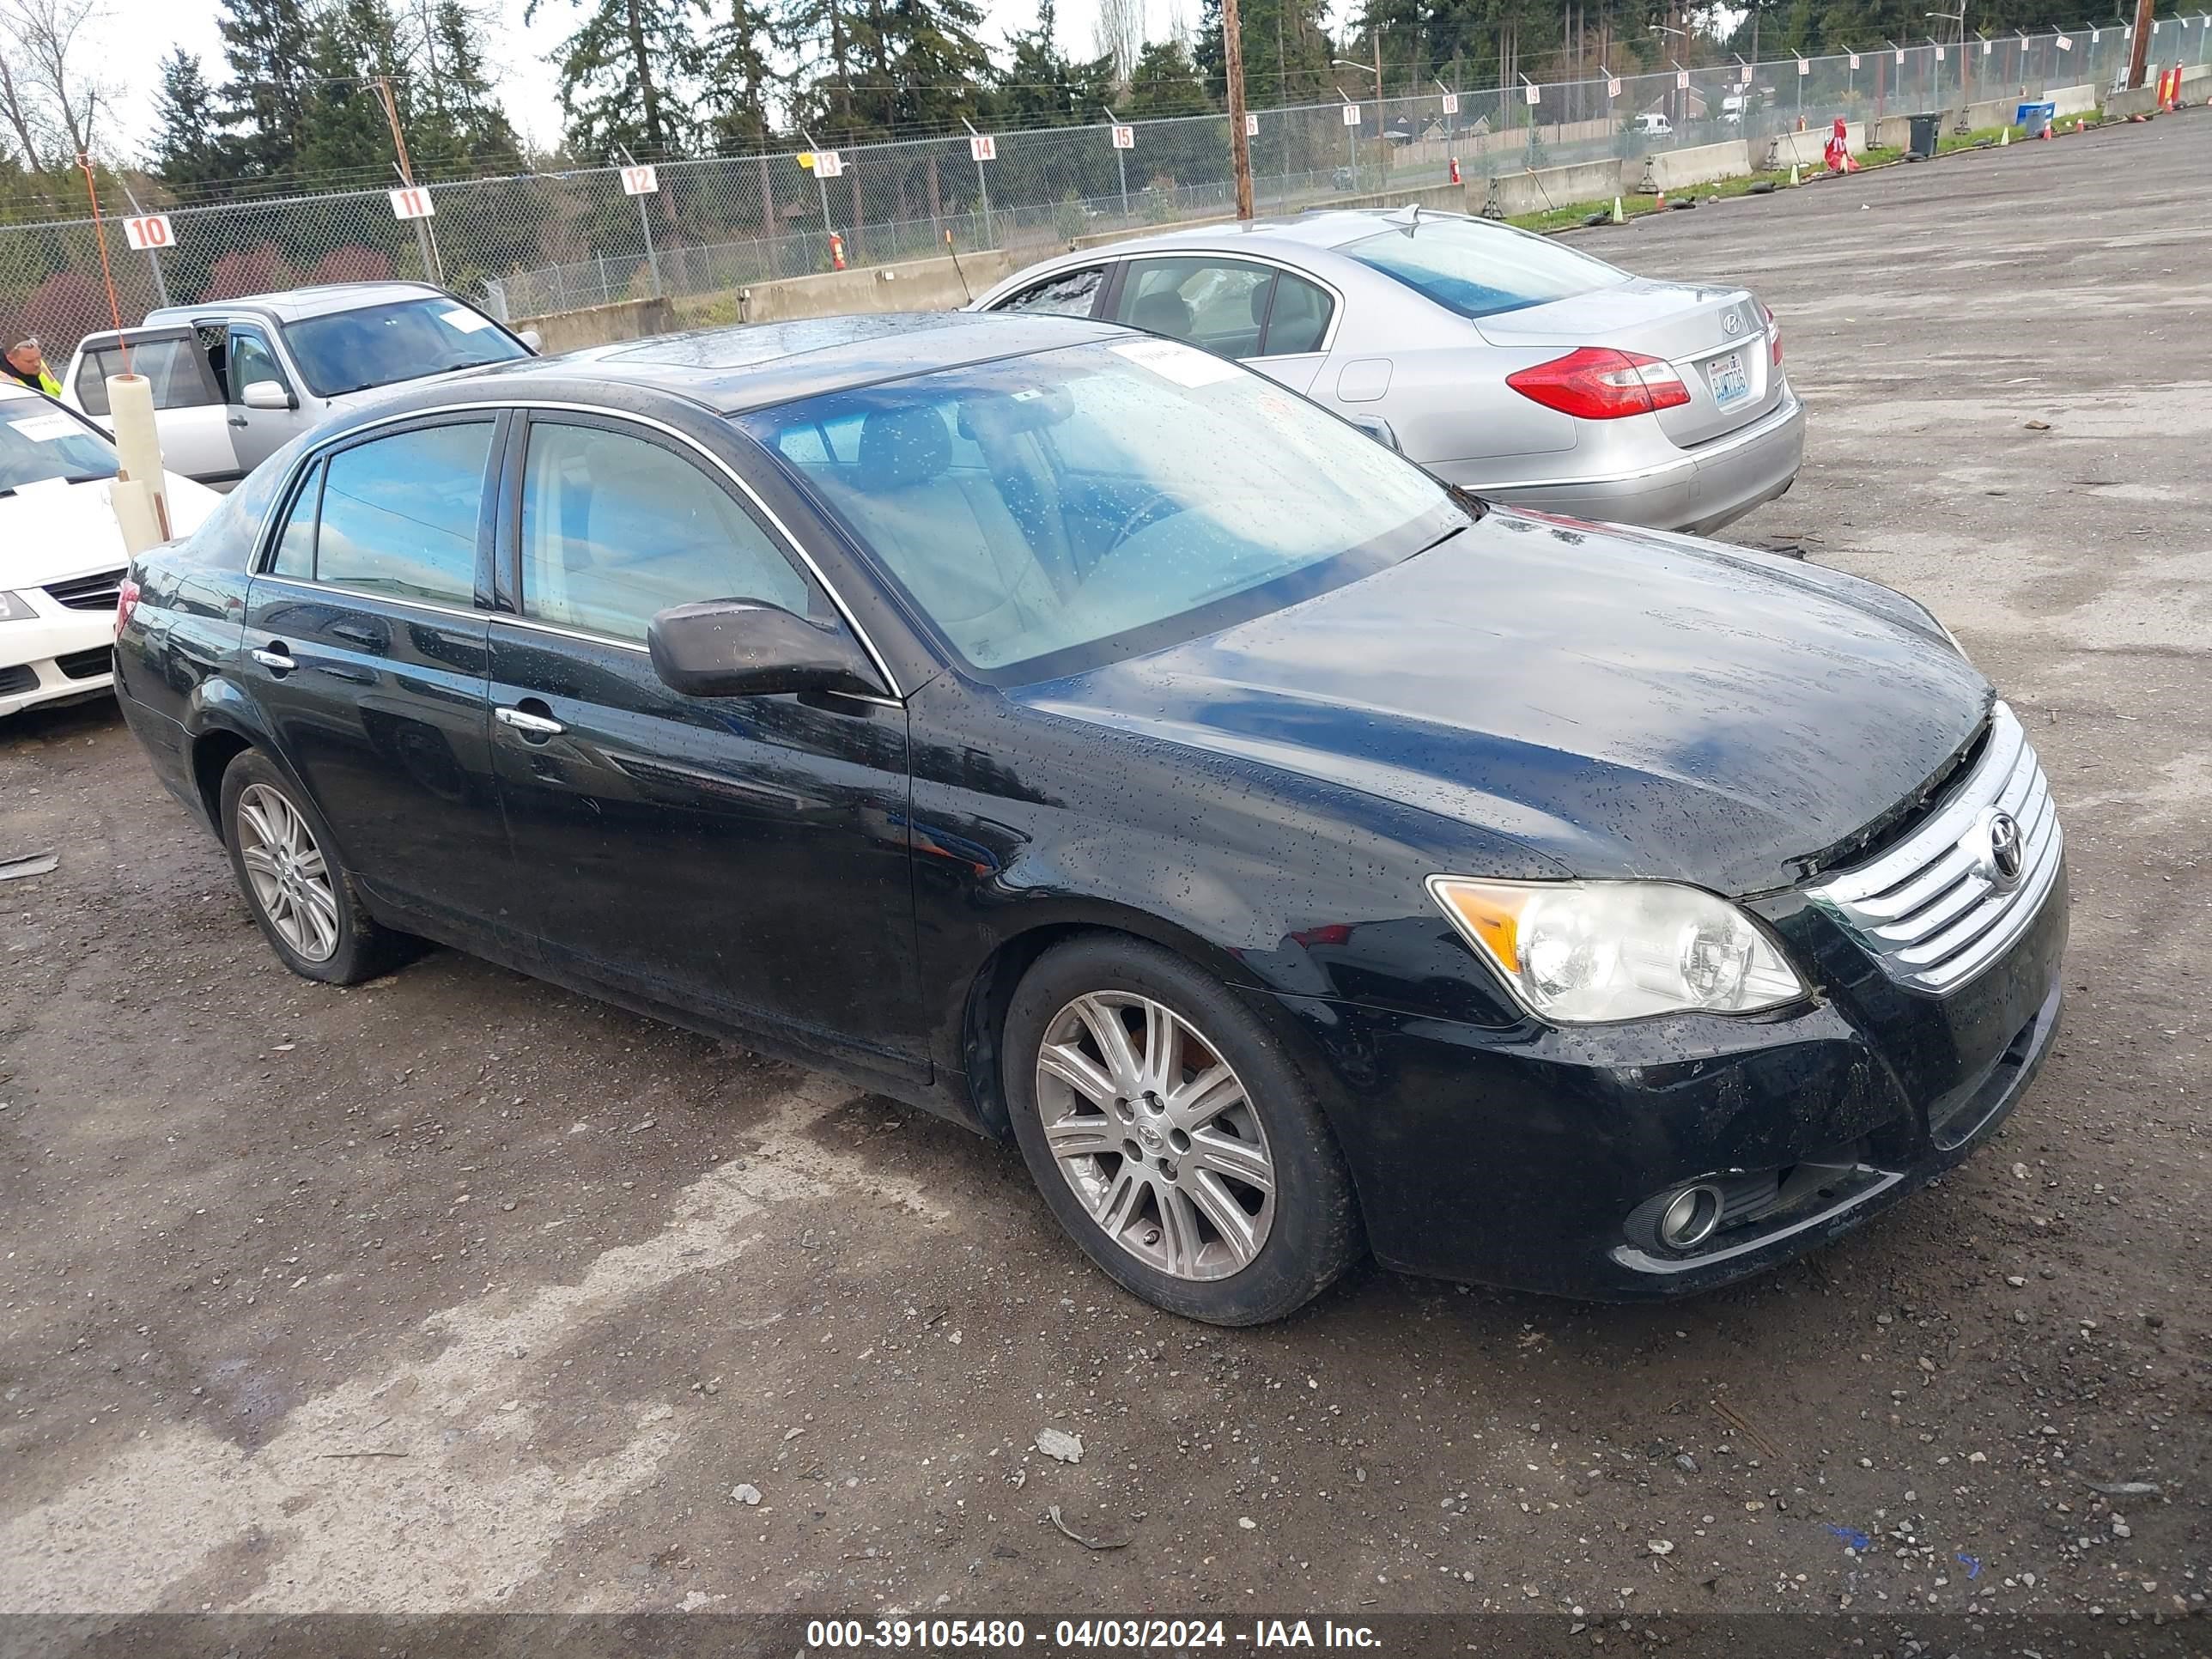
[457, 1292]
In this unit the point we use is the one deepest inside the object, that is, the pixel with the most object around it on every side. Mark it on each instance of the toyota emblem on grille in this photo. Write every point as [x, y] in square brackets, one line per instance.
[2003, 855]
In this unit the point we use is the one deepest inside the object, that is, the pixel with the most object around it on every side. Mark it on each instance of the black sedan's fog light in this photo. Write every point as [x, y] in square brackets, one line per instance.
[1689, 1216]
[1679, 1219]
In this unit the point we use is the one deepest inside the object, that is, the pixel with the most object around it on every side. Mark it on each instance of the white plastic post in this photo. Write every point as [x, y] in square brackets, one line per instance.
[140, 494]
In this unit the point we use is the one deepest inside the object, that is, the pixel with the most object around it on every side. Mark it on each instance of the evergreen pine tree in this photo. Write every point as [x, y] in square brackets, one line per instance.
[353, 43]
[460, 122]
[188, 149]
[266, 44]
[626, 69]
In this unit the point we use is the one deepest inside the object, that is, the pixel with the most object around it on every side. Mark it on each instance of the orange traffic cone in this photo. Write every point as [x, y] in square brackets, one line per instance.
[837, 251]
[1660, 202]
[1454, 170]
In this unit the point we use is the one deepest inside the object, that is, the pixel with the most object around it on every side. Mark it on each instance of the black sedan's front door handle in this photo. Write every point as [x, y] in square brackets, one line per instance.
[275, 658]
[537, 728]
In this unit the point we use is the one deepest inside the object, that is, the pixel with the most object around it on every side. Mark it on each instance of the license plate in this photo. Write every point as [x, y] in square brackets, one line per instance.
[1725, 376]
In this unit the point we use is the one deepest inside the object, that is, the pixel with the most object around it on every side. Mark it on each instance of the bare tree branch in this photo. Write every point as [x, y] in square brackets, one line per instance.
[55, 77]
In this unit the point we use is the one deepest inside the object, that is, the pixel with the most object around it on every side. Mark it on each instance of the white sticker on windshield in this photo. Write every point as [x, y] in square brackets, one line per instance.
[467, 321]
[1184, 364]
[45, 429]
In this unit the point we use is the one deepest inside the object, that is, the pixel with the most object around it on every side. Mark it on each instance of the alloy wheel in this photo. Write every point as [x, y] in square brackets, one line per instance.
[291, 879]
[1154, 1131]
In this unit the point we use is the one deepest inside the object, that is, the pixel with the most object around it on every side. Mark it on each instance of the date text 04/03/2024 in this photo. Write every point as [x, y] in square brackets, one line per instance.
[1083, 1635]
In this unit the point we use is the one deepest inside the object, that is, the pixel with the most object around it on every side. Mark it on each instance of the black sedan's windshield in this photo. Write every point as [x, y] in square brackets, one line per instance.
[39, 442]
[1047, 512]
[377, 345]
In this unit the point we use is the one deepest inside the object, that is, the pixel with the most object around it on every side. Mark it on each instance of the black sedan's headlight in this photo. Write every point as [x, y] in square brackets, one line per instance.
[1589, 952]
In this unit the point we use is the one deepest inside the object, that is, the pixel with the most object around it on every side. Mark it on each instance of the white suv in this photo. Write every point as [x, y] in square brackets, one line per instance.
[234, 379]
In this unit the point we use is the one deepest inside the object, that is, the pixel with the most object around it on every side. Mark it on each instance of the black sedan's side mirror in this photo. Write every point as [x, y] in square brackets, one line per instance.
[747, 648]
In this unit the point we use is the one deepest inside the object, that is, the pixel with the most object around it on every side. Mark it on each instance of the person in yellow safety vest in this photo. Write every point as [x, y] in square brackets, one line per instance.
[27, 362]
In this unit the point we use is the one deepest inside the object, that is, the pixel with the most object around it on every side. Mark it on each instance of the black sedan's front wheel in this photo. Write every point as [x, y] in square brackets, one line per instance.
[1172, 1136]
[299, 890]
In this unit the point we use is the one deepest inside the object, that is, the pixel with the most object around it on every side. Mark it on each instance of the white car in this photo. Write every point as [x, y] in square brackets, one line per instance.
[61, 550]
[234, 381]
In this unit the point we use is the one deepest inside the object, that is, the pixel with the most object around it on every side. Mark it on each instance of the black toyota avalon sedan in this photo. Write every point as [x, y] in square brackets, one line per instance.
[1083, 737]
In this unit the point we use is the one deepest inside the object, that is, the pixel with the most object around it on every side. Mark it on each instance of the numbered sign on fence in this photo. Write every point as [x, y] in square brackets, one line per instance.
[828, 164]
[1939, 58]
[1251, 124]
[1613, 86]
[1351, 115]
[1804, 68]
[1744, 79]
[1124, 138]
[1900, 58]
[2065, 43]
[983, 147]
[639, 181]
[413, 202]
[1531, 93]
[1451, 103]
[1854, 60]
[149, 233]
[1986, 44]
[1682, 79]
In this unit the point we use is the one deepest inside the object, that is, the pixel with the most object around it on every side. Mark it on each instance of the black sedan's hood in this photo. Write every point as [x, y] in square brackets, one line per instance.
[1622, 702]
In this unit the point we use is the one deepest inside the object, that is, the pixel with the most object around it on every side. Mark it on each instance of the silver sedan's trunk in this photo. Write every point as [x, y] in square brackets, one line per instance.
[1716, 339]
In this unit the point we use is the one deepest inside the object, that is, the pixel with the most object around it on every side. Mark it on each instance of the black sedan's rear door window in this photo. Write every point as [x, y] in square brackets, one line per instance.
[400, 513]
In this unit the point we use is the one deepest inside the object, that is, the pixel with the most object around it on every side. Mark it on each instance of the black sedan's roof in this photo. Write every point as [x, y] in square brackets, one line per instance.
[732, 370]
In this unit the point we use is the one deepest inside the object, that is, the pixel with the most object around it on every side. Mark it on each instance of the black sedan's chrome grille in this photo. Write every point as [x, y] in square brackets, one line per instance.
[88, 592]
[1942, 905]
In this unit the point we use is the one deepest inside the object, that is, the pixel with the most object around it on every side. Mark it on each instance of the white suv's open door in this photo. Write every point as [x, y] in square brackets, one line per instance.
[190, 411]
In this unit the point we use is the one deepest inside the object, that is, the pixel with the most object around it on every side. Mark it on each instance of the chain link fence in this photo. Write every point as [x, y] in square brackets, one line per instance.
[545, 242]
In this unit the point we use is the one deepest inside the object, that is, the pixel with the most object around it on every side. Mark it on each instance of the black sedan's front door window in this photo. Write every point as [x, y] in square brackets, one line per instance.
[742, 858]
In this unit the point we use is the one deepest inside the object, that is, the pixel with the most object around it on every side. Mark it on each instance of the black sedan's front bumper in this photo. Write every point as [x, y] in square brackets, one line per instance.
[1518, 1158]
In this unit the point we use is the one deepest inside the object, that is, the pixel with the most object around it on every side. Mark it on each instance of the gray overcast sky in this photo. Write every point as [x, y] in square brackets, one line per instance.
[138, 33]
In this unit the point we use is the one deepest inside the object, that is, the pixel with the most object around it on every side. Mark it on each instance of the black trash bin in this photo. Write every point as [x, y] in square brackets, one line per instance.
[1925, 129]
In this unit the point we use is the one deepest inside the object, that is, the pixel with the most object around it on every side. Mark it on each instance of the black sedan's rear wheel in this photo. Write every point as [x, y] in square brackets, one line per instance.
[301, 894]
[1171, 1134]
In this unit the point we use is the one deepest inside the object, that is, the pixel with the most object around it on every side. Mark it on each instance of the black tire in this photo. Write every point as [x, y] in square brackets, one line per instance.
[1314, 1233]
[360, 949]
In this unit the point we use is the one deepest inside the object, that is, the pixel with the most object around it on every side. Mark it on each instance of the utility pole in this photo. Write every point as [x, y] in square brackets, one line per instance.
[2138, 55]
[425, 244]
[1240, 143]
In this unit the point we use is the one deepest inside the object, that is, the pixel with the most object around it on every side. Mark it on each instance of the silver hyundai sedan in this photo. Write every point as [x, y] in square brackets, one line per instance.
[1505, 362]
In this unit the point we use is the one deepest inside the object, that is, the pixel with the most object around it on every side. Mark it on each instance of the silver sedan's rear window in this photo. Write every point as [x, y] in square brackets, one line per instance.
[1481, 270]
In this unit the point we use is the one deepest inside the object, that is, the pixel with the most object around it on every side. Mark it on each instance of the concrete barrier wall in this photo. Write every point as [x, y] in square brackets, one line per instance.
[2071, 101]
[1546, 188]
[626, 320]
[1678, 169]
[913, 285]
